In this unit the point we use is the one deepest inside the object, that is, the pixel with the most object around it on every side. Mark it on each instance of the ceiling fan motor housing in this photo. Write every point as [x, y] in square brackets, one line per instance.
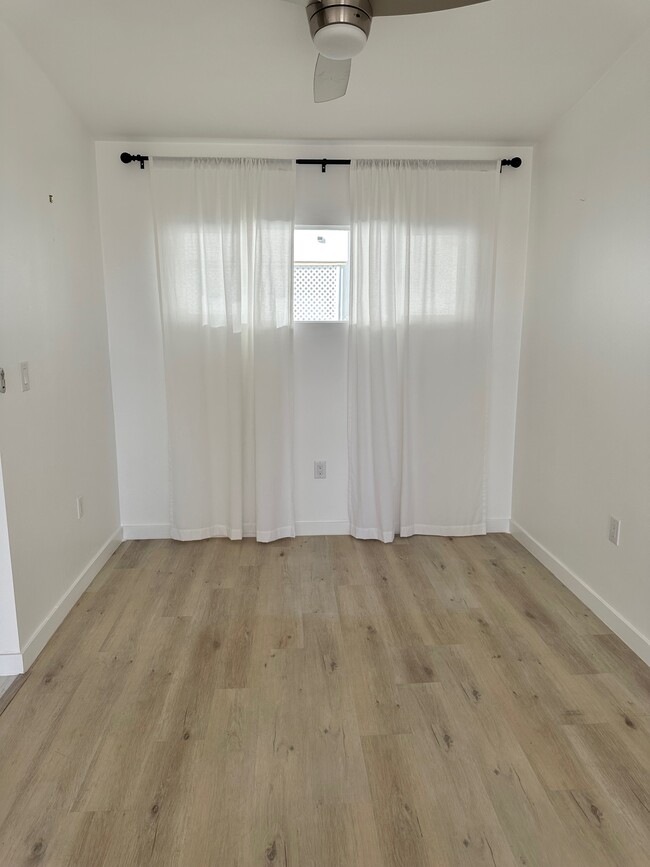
[339, 16]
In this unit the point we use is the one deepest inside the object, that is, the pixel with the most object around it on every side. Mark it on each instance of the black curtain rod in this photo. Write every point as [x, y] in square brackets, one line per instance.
[515, 162]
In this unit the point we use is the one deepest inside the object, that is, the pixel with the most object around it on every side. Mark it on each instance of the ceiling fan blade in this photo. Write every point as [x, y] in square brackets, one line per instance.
[414, 7]
[331, 78]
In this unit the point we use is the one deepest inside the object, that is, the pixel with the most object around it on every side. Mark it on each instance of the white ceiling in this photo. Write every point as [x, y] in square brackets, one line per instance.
[497, 72]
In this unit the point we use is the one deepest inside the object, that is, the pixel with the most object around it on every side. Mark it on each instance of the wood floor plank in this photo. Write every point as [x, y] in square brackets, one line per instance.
[335, 768]
[464, 815]
[339, 836]
[534, 830]
[322, 701]
[221, 802]
[621, 772]
[396, 802]
[364, 633]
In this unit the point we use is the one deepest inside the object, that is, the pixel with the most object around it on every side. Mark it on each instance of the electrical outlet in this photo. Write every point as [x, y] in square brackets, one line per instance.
[614, 531]
[80, 507]
[320, 469]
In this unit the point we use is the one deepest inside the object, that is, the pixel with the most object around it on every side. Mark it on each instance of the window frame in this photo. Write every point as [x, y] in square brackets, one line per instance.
[344, 300]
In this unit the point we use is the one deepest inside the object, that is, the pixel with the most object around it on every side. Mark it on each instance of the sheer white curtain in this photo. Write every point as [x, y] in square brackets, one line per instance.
[422, 259]
[224, 236]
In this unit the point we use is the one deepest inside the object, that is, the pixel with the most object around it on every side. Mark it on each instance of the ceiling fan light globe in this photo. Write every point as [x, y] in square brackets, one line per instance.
[340, 41]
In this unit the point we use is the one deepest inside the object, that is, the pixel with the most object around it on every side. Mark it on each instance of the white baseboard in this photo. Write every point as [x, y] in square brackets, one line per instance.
[498, 525]
[146, 531]
[303, 528]
[322, 528]
[11, 663]
[625, 630]
[55, 618]
[342, 528]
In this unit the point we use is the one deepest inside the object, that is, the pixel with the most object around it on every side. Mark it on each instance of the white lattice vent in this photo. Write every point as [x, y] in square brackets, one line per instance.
[317, 293]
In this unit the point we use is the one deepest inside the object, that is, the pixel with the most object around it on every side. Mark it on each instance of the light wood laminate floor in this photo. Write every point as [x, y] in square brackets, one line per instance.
[325, 702]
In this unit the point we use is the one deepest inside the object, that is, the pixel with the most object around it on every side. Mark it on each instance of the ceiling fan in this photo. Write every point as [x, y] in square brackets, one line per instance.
[340, 30]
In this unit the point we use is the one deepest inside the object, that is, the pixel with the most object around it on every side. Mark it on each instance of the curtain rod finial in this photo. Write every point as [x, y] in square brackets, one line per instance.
[133, 158]
[515, 162]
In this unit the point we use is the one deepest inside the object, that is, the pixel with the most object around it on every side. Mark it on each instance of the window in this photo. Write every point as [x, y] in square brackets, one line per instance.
[321, 275]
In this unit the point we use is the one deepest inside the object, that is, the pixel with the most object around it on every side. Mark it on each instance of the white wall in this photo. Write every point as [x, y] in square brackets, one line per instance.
[57, 439]
[321, 354]
[583, 429]
[320, 398]
[9, 641]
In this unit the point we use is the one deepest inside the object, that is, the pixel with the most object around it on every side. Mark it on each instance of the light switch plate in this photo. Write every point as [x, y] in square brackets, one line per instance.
[24, 375]
[614, 530]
